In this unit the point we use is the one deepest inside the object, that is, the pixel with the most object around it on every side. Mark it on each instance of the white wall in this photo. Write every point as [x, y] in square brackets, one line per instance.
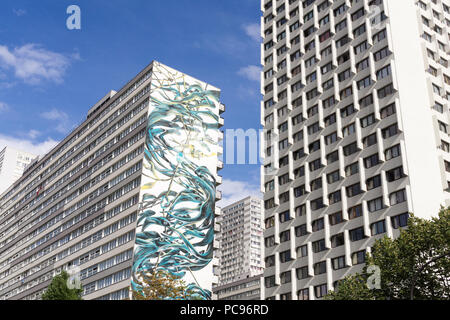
[422, 158]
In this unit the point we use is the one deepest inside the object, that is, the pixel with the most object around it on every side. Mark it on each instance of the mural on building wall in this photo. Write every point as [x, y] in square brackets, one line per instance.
[175, 230]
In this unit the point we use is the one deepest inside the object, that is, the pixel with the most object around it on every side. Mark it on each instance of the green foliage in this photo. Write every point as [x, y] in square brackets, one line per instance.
[416, 265]
[162, 286]
[353, 287]
[58, 289]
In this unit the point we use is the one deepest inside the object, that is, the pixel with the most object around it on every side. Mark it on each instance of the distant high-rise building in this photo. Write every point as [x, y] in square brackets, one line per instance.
[241, 240]
[245, 289]
[131, 190]
[356, 118]
[12, 165]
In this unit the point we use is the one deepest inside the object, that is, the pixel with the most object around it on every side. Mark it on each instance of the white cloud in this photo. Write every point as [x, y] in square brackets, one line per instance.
[253, 30]
[251, 72]
[233, 190]
[37, 148]
[3, 106]
[19, 12]
[33, 134]
[33, 64]
[55, 115]
[61, 118]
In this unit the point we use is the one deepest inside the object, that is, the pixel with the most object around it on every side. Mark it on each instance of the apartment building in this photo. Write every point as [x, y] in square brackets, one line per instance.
[241, 241]
[145, 156]
[245, 289]
[355, 111]
[12, 164]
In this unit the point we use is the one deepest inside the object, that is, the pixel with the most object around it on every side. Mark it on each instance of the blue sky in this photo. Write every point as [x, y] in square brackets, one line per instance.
[50, 76]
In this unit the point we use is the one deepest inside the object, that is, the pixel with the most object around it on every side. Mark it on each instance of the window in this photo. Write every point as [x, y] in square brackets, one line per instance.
[283, 161]
[368, 121]
[374, 182]
[303, 294]
[338, 263]
[269, 223]
[364, 83]
[350, 149]
[375, 205]
[347, 92]
[318, 225]
[336, 218]
[285, 256]
[284, 179]
[270, 261]
[314, 146]
[388, 111]
[362, 65]
[392, 152]
[284, 216]
[269, 186]
[394, 174]
[385, 91]
[359, 257]
[332, 138]
[302, 273]
[298, 154]
[284, 197]
[312, 129]
[269, 242]
[316, 184]
[400, 221]
[352, 169]
[269, 281]
[320, 268]
[355, 212]
[366, 101]
[383, 72]
[371, 161]
[331, 119]
[381, 54]
[318, 246]
[357, 234]
[333, 177]
[299, 172]
[301, 231]
[317, 204]
[299, 191]
[337, 240]
[332, 157]
[283, 144]
[370, 140]
[315, 165]
[347, 111]
[344, 75]
[300, 210]
[378, 228]
[353, 190]
[321, 290]
[302, 251]
[349, 130]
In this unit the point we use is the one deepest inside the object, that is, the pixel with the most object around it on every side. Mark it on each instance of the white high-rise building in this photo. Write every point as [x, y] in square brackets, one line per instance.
[12, 165]
[146, 156]
[356, 112]
[241, 241]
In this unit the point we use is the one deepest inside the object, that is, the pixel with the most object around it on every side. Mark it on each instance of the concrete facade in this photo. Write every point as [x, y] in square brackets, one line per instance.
[79, 204]
[355, 109]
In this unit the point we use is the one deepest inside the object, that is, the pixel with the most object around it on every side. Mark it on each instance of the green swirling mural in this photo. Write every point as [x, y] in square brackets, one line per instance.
[175, 228]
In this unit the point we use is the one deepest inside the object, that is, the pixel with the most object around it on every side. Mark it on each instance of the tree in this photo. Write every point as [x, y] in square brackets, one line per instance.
[353, 287]
[58, 289]
[416, 265]
[161, 285]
